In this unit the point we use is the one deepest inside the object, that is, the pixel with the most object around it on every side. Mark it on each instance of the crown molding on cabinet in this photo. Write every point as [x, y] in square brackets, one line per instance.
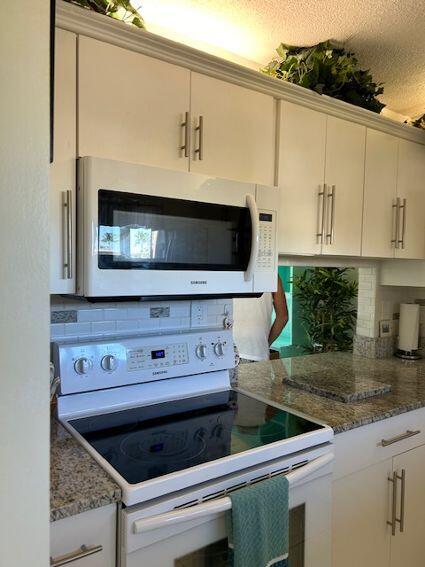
[85, 22]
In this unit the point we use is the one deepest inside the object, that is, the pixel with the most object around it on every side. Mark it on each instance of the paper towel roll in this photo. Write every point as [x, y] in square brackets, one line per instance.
[409, 327]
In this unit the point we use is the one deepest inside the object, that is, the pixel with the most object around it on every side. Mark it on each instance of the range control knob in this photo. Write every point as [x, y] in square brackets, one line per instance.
[109, 363]
[219, 349]
[82, 365]
[201, 352]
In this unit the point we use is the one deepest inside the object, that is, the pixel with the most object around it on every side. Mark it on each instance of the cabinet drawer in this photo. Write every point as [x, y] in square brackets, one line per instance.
[362, 447]
[95, 529]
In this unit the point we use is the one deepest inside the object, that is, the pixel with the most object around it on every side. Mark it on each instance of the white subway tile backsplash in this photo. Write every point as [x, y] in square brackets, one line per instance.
[77, 329]
[148, 324]
[57, 330]
[103, 319]
[170, 323]
[115, 314]
[102, 327]
[127, 325]
[138, 313]
[89, 315]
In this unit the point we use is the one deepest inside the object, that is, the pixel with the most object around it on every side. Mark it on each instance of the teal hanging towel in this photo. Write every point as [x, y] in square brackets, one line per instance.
[258, 524]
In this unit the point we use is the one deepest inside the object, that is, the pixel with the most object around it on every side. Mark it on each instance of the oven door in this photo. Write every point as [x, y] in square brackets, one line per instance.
[195, 536]
[148, 232]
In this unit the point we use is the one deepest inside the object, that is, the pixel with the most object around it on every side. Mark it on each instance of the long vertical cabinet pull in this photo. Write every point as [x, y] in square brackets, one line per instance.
[67, 234]
[395, 222]
[394, 520]
[321, 214]
[331, 209]
[186, 125]
[402, 499]
[403, 222]
[199, 151]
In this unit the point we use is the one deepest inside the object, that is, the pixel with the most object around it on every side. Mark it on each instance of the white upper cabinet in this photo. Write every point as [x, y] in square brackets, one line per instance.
[302, 144]
[131, 107]
[134, 108]
[344, 173]
[233, 131]
[62, 196]
[411, 201]
[380, 192]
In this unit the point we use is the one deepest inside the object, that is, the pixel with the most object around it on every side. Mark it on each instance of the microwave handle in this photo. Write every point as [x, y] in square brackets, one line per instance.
[255, 237]
[221, 504]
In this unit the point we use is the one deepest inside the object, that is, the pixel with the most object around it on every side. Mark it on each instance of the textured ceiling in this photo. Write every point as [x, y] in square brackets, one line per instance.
[387, 35]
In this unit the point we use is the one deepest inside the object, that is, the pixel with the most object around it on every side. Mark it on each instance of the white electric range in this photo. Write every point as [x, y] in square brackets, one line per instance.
[159, 415]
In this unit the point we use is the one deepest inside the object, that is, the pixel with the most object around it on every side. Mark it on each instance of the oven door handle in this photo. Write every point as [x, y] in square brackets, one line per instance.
[255, 237]
[221, 504]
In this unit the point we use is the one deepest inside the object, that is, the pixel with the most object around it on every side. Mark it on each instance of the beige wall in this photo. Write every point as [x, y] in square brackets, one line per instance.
[24, 308]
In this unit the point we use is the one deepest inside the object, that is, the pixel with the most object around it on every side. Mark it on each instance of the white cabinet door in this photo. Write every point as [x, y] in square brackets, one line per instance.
[344, 176]
[411, 188]
[361, 508]
[237, 134]
[408, 547]
[302, 143]
[380, 191]
[131, 107]
[94, 529]
[63, 168]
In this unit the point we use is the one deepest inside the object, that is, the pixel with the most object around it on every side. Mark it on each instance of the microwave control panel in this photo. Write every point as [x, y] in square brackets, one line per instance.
[96, 365]
[267, 237]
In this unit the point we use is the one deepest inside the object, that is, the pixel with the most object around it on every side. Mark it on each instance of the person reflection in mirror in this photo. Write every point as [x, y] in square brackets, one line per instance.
[253, 329]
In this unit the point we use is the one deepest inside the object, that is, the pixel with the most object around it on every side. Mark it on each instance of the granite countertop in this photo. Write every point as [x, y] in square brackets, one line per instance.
[407, 381]
[77, 482]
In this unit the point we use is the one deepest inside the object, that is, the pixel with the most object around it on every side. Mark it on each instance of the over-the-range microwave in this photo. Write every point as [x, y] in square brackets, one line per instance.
[147, 232]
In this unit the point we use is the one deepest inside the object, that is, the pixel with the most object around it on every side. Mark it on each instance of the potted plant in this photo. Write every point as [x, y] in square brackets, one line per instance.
[118, 9]
[326, 298]
[327, 69]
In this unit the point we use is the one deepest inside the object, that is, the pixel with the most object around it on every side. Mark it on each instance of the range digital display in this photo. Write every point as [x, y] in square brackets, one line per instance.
[155, 354]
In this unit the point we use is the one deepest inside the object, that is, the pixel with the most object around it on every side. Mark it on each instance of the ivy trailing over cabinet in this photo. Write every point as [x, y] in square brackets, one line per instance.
[327, 69]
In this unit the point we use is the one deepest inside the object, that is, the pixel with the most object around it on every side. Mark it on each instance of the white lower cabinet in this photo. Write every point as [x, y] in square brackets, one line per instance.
[85, 540]
[376, 486]
[408, 546]
[360, 508]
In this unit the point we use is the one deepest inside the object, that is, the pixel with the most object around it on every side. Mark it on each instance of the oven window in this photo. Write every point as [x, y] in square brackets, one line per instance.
[215, 554]
[148, 232]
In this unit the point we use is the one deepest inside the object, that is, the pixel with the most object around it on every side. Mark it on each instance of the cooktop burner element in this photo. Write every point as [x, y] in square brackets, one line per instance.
[147, 442]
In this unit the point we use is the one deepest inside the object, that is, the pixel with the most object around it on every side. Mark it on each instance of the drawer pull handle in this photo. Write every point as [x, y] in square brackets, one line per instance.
[83, 551]
[397, 438]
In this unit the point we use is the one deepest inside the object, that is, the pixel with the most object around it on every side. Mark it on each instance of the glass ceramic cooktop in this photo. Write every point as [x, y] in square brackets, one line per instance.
[147, 442]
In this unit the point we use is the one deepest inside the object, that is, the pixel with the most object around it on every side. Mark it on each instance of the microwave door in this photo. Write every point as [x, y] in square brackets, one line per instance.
[143, 238]
[150, 233]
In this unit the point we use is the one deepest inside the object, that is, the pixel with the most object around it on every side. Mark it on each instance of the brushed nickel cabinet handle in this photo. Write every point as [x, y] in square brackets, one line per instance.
[200, 129]
[83, 551]
[321, 214]
[393, 522]
[331, 208]
[402, 498]
[403, 223]
[395, 223]
[397, 438]
[67, 234]
[186, 125]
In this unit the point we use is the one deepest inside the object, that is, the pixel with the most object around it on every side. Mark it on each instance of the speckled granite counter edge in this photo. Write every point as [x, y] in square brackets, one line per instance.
[83, 505]
[378, 417]
[77, 482]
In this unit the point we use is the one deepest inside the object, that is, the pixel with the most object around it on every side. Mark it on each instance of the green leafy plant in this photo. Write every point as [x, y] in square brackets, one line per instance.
[419, 122]
[326, 299]
[327, 69]
[118, 9]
